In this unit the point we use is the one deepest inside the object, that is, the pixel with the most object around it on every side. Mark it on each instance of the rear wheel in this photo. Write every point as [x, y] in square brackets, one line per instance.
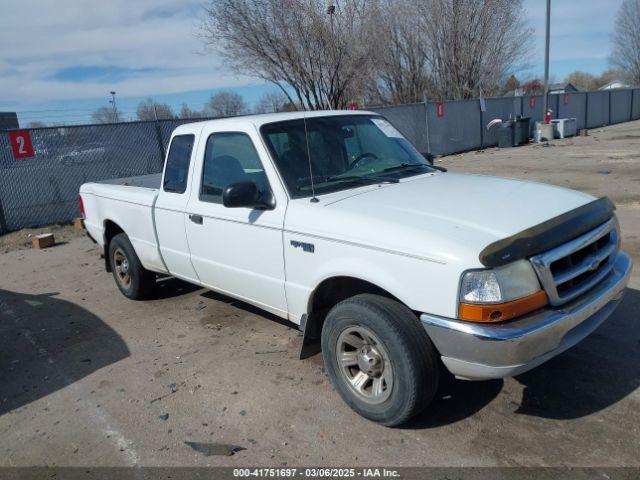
[379, 358]
[133, 280]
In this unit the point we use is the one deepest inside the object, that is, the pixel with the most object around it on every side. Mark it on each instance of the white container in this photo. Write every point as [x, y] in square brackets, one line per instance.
[543, 132]
[564, 127]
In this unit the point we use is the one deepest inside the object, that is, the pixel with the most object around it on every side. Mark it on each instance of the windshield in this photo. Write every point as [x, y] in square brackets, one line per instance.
[346, 151]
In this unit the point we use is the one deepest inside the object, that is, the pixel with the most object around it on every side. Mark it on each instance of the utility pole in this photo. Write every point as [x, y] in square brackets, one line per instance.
[545, 99]
[331, 10]
[113, 106]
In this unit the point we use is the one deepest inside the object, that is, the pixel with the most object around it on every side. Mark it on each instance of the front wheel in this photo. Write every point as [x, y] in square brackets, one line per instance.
[133, 280]
[379, 358]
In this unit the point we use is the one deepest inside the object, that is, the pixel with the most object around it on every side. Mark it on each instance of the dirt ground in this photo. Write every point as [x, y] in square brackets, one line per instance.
[90, 378]
[21, 240]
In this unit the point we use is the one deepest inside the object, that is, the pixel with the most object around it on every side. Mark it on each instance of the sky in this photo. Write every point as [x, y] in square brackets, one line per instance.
[60, 59]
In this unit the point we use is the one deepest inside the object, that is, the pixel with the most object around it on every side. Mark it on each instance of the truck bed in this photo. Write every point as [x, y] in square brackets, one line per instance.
[143, 181]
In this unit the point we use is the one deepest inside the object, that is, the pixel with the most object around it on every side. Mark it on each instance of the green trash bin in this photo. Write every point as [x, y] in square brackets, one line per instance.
[522, 128]
[506, 138]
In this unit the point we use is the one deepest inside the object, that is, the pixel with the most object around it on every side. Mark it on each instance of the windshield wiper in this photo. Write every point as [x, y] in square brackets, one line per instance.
[361, 179]
[404, 165]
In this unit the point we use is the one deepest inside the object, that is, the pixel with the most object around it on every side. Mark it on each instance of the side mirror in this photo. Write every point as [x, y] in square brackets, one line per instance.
[246, 194]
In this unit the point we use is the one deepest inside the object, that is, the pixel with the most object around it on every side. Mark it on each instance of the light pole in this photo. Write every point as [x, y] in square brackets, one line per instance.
[545, 99]
[113, 106]
[331, 10]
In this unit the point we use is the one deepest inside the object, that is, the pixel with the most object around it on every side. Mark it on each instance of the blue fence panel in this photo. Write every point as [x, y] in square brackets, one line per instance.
[410, 120]
[457, 130]
[502, 108]
[532, 108]
[573, 105]
[597, 109]
[635, 105]
[620, 105]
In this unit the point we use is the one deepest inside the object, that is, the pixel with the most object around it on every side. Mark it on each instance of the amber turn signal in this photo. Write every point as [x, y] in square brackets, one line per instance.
[502, 311]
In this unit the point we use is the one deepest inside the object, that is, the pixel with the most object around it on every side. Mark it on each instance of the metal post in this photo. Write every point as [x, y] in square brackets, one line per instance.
[546, 60]
[159, 136]
[586, 110]
[481, 129]
[426, 122]
[113, 105]
[3, 220]
[609, 123]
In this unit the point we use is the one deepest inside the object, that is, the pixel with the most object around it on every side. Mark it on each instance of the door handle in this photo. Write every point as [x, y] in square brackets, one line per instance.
[196, 218]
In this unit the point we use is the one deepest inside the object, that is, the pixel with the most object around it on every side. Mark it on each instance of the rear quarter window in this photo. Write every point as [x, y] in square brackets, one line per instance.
[176, 171]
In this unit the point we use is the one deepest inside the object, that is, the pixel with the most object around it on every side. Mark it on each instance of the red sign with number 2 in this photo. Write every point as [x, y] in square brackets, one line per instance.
[21, 144]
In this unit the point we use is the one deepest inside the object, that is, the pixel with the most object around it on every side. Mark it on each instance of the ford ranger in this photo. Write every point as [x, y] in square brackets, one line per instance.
[395, 267]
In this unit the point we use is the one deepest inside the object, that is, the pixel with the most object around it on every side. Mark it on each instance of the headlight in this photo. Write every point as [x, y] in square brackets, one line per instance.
[501, 293]
[501, 284]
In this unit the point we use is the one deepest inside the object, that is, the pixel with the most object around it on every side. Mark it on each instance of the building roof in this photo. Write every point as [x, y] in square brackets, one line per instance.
[8, 120]
[614, 84]
[562, 87]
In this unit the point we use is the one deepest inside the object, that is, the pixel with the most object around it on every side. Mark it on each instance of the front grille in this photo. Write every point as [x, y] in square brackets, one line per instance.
[573, 268]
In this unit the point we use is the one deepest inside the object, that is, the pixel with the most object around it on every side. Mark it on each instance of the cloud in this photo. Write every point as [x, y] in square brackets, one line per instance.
[580, 30]
[72, 49]
[76, 49]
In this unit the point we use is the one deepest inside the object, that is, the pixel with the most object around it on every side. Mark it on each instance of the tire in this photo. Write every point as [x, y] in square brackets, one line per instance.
[133, 280]
[392, 348]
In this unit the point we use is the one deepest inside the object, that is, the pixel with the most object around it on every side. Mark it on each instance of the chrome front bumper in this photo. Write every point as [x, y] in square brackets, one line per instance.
[474, 351]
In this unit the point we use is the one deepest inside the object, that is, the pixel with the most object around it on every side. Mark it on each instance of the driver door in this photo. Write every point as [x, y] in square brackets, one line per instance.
[237, 251]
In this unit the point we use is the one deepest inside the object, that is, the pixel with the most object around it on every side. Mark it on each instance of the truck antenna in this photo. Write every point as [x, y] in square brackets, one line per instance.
[314, 199]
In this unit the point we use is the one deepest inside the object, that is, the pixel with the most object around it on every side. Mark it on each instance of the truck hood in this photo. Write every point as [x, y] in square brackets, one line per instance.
[445, 217]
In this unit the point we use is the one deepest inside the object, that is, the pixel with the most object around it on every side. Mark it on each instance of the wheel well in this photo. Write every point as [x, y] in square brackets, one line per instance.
[111, 229]
[331, 292]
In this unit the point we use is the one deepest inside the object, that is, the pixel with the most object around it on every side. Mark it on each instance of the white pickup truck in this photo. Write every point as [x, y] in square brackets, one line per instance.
[334, 221]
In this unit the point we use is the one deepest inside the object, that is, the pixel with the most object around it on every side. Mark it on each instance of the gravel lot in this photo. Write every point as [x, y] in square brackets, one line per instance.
[90, 378]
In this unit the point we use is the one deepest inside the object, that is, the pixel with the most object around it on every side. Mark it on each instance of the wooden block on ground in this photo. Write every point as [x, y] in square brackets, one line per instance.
[44, 240]
[78, 223]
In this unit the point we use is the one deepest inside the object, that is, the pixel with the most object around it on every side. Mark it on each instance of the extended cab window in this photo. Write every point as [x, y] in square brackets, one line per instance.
[177, 168]
[230, 157]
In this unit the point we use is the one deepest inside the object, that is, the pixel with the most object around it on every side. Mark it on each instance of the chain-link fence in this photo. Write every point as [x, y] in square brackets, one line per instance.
[43, 189]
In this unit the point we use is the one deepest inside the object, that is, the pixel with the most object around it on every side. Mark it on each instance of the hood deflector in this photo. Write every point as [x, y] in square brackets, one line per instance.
[548, 234]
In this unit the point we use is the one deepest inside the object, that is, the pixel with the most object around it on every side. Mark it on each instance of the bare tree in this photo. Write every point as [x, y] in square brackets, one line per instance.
[472, 46]
[186, 112]
[106, 115]
[36, 124]
[512, 85]
[583, 80]
[609, 76]
[402, 74]
[626, 41]
[589, 81]
[532, 86]
[271, 102]
[323, 55]
[225, 104]
[147, 110]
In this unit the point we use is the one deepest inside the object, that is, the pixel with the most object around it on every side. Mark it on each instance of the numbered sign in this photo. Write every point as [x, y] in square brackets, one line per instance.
[532, 101]
[21, 144]
[440, 109]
